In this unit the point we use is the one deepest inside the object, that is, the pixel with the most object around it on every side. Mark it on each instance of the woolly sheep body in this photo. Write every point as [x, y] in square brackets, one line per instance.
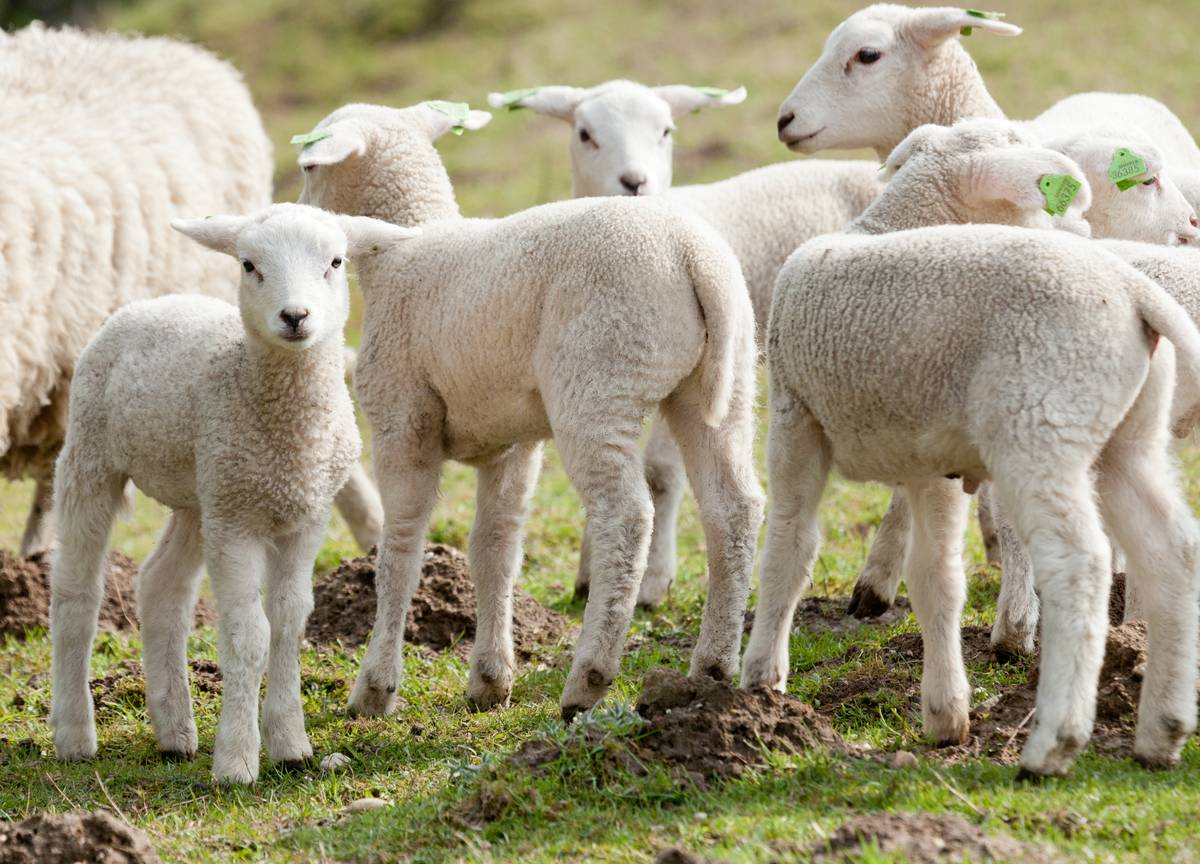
[106, 138]
[1028, 355]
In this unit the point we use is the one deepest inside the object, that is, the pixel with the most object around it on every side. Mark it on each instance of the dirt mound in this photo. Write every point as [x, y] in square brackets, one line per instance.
[1000, 726]
[25, 594]
[677, 855]
[922, 838]
[714, 730]
[126, 684]
[74, 837]
[442, 613]
[832, 614]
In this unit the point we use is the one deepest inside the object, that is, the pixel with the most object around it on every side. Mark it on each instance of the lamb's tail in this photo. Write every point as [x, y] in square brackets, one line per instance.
[729, 319]
[1161, 314]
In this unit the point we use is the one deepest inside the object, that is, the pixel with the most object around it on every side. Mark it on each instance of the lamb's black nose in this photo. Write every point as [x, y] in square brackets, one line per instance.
[784, 120]
[293, 317]
[633, 182]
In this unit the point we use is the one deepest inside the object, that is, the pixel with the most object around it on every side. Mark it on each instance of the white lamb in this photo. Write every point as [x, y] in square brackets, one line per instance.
[621, 144]
[483, 337]
[243, 426]
[1026, 359]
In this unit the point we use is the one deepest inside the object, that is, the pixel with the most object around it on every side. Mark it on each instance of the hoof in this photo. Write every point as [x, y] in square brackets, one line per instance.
[367, 700]
[176, 755]
[581, 592]
[295, 766]
[1007, 653]
[648, 605]
[487, 699]
[570, 712]
[1024, 775]
[865, 603]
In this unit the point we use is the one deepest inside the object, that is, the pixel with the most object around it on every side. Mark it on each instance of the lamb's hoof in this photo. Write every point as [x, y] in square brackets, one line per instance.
[948, 728]
[865, 603]
[295, 766]
[648, 605]
[583, 690]
[570, 712]
[581, 592]
[75, 744]
[1024, 775]
[1013, 644]
[229, 771]
[488, 696]
[368, 700]
[1051, 753]
[176, 755]
[705, 665]
[768, 672]
[1160, 747]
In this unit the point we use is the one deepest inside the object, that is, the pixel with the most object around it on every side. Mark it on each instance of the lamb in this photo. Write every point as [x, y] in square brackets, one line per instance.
[621, 144]
[243, 426]
[1032, 401]
[574, 321]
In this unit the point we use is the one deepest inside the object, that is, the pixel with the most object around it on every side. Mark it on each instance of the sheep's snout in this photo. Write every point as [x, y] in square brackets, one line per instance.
[634, 182]
[294, 318]
[784, 121]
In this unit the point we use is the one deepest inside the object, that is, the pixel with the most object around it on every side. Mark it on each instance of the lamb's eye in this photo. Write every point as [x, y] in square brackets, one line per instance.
[867, 56]
[247, 266]
[1153, 181]
[584, 136]
[666, 133]
[335, 263]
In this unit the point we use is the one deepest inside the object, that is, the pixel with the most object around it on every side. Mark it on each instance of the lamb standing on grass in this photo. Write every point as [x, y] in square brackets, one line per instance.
[621, 144]
[1048, 377]
[574, 321]
[244, 427]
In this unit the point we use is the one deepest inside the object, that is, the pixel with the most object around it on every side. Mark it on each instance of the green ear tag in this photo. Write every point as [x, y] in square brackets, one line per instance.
[514, 98]
[456, 111]
[978, 13]
[310, 138]
[711, 92]
[1125, 169]
[1059, 190]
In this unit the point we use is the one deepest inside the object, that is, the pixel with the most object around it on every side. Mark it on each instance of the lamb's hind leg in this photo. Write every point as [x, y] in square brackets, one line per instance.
[1015, 630]
[504, 491]
[667, 479]
[720, 465]
[875, 590]
[359, 503]
[798, 462]
[166, 596]
[85, 507]
[39, 526]
[602, 459]
[937, 587]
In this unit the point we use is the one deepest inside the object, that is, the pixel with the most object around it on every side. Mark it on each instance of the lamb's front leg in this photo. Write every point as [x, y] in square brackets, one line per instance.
[289, 602]
[504, 490]
[408, 464]
[236, 567]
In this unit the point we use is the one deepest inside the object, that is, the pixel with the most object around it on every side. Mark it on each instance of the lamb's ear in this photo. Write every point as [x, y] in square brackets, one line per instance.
[364, 235]
[931, 27]
[1096, 155]
[453, 117]
[913, 143]
[556, 101]
[331, 144]
[216, 232]
[684, 99]
[1015, 174]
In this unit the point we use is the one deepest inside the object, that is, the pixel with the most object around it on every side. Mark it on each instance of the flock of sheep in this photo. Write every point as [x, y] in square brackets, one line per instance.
[1005, 308]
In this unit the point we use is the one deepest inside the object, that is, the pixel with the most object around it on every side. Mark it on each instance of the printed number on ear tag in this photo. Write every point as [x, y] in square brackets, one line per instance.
[1126, 168]
[310, 138]
[1059, 190]
[979, 13]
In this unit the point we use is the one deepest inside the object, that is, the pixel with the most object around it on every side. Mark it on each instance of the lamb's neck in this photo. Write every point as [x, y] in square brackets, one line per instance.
[284, 384]
[951, 90]
[897, 210]
[408, 189]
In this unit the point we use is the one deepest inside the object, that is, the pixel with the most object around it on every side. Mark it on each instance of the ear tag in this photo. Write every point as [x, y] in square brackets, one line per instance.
[310, 138]
[977, 13]
[1059, 190]
[1125, 168]
[513, 98]
[456, 111]
[711, 92]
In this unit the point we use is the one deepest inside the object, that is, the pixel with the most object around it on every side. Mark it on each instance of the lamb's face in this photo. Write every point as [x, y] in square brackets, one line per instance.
[858, 91]
[1152, 210]
[621, 131]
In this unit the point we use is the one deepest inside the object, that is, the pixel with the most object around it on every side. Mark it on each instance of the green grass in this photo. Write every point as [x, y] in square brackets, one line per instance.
[303, 61]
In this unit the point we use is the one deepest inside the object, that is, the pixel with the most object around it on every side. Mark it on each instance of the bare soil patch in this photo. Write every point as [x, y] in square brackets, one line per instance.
[922, 838]
[25, 594]
[74, 837]
[443, 609]
[126, 684]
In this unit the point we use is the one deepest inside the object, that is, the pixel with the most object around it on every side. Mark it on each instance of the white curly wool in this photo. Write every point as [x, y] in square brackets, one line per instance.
[106, 138]
[574, 321]
[239, 420]
[1026, 359]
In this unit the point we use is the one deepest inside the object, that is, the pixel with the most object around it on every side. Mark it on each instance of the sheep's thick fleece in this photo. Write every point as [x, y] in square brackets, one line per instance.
[106, 138]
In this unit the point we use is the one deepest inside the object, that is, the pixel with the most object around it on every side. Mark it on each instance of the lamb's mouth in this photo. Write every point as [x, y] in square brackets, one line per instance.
[796, 144]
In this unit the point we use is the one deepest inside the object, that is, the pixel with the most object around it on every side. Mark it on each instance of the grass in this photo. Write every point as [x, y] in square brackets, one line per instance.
[303, 61]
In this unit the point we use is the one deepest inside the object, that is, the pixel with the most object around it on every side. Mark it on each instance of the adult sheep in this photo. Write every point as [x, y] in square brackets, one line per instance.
[621, 143]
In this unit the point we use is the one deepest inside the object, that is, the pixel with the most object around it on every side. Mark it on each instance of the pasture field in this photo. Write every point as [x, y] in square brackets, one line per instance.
[435, 758]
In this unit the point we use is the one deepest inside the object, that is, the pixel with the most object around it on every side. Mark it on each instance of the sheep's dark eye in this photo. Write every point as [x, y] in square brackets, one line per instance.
[1153, 181]
[584, 136]
[867, 56]
[247, 266]
[335, 263]
[666, 133]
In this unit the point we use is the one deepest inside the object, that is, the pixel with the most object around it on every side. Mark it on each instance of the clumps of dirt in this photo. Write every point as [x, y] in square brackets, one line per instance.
[831, 614]
[1116, 600]
[713, 730]
[442, 613]
[25, 594]
[126, 684]
[677, 855]
[922, 838]
[74, 837]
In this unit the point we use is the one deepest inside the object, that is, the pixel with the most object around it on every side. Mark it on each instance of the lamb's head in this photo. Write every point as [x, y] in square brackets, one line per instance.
[983, 171]
[370, 160]
[1142, 203]
[620, 131]
[293, 293]
[861, 90]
